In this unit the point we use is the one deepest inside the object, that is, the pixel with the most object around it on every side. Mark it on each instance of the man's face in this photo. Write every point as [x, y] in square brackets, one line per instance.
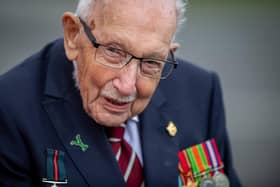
[111, 96]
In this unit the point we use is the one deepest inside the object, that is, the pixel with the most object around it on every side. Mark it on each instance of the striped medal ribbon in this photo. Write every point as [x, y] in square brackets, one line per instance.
[55, 168]
[219, 177]
[199, 160]
[184, 166]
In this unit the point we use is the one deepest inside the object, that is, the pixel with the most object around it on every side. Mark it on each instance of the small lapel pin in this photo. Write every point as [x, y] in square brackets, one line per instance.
[78, 142]
[171, 129]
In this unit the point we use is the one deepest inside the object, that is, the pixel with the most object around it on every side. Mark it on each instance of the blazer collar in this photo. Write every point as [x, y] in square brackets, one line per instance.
[160, 149]
[59, 71]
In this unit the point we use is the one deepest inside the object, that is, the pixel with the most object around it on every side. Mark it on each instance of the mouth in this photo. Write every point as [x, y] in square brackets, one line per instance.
[115, 105]
[115, 102]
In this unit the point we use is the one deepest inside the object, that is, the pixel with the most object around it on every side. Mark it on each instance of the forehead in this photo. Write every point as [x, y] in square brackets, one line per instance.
[144, 18]
[140, 12]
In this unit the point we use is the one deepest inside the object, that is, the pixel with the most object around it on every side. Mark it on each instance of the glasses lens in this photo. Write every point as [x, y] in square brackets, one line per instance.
[116, 58]
[155, 68]
[151, 68]
[167, 69]
[110, 56]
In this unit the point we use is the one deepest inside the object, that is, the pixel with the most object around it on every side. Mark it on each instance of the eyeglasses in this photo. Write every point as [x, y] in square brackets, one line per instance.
[117, 58]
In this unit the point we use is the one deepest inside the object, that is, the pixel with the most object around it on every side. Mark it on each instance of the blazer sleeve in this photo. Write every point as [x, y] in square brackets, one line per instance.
[217, 129]
[14, 162]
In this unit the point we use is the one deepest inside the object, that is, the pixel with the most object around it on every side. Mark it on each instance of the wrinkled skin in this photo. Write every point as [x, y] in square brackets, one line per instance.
[142, 27]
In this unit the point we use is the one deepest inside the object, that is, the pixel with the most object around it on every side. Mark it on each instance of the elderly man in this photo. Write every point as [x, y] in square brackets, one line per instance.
[115, 123]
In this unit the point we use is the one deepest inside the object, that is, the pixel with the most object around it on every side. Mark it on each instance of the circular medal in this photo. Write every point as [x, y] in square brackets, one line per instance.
[192, 184]
[221, 180]
[207, 182]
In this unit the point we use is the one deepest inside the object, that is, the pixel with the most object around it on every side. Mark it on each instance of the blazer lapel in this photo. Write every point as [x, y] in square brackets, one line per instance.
[159, 148]
[63, 104]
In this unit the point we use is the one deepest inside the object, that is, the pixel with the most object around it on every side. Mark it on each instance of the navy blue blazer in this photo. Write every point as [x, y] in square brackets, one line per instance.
[41, 108]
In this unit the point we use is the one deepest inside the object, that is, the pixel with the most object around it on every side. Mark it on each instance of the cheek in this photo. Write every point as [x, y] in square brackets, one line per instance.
[98, 76]
[90, 80]
[84, 63]
[95, 76]
[145, 90]
[146, 87]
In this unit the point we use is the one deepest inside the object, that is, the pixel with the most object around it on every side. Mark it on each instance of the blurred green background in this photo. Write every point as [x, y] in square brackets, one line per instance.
[239, 39]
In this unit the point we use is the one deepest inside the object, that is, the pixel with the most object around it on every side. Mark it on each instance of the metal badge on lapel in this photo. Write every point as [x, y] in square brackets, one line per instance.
[78, 142]
[171, 129]
[55, 168]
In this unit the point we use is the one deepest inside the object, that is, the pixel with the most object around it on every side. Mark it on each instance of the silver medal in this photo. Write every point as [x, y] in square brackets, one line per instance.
[221, 180]
[207, 182]
[54, 183]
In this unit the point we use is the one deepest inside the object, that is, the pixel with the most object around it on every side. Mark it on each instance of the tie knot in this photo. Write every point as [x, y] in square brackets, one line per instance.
[115, 134]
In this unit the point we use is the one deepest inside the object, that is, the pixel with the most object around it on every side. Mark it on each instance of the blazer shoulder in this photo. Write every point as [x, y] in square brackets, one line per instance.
[190, 77]
[192, 71]
[189, 85]
[26, 79]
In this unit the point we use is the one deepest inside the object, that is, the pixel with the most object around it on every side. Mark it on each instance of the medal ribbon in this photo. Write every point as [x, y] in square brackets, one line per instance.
[199, 161]
[190, 174]
[183, 161]
[203, 155]
[55, 165]
[192, 161]
[185, 167]
[214, 154]
[208, 159]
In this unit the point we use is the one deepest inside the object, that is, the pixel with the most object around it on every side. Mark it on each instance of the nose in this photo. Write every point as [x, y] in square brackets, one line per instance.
[126, 81]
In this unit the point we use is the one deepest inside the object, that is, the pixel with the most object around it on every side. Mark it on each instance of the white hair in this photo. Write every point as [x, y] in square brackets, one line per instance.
[180, 13]
[85, 6]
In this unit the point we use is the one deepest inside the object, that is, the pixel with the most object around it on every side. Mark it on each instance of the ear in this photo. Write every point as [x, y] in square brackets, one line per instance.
[71, 30]
[174, 46]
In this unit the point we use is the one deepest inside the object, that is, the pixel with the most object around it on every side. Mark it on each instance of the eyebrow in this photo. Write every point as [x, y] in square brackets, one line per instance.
[119, 42]
[155, 54]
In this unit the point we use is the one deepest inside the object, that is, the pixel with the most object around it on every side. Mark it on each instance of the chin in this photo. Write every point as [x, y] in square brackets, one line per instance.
[109, 120]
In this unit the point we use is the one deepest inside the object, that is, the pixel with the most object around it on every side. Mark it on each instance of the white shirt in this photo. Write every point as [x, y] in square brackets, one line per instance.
[131, 135]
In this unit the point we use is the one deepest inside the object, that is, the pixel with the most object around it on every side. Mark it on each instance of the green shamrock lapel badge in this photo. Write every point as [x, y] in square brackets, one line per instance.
[78, 142]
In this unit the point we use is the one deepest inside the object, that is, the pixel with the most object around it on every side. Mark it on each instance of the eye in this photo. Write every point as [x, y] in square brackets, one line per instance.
[151, 67]
[153, 64]
[114, 52]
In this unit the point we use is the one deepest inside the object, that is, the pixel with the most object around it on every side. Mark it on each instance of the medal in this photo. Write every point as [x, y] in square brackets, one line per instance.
[191, 184]
[182, 176]
[54, 183]
[207, 182]
[205, 165]
[221, 179]
[214, 155]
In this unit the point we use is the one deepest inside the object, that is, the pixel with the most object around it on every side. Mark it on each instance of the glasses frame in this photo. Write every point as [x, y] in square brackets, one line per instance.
[96, 45]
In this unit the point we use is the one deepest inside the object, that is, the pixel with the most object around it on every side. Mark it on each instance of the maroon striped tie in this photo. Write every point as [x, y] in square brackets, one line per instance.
[128, 160]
